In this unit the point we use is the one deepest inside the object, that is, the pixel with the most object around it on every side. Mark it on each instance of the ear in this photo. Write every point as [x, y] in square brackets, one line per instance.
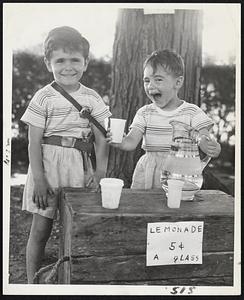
[86, 63]
[48, 64]
[179, 81]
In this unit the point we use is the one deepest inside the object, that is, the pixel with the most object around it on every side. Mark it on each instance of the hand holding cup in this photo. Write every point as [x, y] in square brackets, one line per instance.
[115, 131]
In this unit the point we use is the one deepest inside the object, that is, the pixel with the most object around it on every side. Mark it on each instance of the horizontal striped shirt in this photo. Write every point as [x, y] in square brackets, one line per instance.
[153, 122]
[49, 110]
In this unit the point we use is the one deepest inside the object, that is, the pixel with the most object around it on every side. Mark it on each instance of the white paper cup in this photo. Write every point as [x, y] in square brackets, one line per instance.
[111, 191]
[117, 127]
[174, 192]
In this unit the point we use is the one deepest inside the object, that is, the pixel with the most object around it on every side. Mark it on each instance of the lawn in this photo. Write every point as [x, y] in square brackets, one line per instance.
[20, 223]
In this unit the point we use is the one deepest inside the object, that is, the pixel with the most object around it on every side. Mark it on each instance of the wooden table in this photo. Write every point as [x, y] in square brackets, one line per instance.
[109, 246]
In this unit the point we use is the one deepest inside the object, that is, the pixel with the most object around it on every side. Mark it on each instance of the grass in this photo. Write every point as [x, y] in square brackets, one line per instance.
[20, 223]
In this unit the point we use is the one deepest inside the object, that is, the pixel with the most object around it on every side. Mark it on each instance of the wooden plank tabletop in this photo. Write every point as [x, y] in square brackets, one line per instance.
[206, 202]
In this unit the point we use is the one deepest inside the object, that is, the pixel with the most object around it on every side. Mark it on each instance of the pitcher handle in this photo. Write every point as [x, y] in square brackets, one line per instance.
[205, 160]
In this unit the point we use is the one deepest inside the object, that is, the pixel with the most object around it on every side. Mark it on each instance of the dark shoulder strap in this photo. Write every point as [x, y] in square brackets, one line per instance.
[85, 113]
[66, 95]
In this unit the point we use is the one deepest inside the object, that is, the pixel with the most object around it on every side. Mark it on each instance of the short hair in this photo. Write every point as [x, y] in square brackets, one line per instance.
[66, 38]
[169, 60]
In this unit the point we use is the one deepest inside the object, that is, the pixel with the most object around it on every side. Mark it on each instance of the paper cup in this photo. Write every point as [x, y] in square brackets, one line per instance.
[174, 192]
[111, 191]
[117, 127]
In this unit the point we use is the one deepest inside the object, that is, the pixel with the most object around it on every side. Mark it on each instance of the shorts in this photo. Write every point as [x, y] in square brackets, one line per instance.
[63, 167]
[148, 170]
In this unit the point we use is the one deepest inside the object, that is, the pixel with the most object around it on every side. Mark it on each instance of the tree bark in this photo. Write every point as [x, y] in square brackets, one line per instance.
[136, 36]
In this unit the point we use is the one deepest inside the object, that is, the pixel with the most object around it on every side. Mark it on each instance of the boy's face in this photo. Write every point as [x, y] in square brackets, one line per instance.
[162, 87]
[67, 68]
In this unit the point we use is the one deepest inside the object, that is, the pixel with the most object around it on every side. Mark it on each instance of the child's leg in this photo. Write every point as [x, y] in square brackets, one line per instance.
[40, 231]
[138, 178]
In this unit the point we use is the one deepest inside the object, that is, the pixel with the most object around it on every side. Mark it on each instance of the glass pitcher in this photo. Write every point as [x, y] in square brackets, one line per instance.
[183, 162]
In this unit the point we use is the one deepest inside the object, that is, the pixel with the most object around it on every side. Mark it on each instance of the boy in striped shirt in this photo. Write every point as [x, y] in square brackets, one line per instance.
[55, 128]
[163, 77]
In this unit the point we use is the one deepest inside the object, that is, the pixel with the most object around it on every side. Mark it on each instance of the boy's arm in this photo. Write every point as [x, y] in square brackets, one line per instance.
[207, 144]
[102, 151]
[41, 187]
[129, 142]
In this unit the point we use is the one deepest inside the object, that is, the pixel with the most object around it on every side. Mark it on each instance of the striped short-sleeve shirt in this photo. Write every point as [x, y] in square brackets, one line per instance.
[49, 110]
[153, 122]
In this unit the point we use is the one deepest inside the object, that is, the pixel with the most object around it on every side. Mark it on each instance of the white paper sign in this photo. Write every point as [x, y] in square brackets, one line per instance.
[174, 243]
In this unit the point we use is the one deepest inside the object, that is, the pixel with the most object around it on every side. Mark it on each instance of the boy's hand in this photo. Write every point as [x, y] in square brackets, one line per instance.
[109, 138]
[209, 146]
[93, 183]
[41, 191]
[94, 180]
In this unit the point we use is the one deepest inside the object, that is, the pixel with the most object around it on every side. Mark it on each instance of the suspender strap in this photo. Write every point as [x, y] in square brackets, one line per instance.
[84, 113]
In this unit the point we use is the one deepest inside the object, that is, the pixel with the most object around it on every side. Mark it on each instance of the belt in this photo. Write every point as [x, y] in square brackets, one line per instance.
[69, 142]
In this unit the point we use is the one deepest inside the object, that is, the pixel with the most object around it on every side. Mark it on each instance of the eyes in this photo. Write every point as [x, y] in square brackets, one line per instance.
[62, 60]
[157, 80]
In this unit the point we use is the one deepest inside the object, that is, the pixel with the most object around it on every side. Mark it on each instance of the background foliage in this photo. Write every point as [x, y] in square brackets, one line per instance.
[218, 100]
[217, 97]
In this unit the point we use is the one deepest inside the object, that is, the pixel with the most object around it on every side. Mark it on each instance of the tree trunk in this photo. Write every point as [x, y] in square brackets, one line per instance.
[137, 35]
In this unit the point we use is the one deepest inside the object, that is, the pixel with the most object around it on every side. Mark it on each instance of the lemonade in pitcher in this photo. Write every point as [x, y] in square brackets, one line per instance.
[183, 162]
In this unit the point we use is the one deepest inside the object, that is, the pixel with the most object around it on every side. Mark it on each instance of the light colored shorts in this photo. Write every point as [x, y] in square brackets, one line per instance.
[63, 167]
[148, 170]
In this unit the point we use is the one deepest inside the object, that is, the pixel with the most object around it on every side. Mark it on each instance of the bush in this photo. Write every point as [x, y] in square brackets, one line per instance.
[218, 101]
[19, 157]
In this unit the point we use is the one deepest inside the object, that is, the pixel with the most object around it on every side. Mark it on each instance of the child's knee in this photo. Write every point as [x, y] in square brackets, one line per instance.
[39, 236]
[40, 229]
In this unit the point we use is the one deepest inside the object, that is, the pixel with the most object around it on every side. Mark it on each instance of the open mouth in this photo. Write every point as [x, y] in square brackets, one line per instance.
[156, 96]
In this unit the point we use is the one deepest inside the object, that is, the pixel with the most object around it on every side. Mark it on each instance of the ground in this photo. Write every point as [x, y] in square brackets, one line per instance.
[20, 223]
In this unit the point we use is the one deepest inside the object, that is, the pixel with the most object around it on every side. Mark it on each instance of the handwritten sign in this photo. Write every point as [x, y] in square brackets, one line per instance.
[174, 243]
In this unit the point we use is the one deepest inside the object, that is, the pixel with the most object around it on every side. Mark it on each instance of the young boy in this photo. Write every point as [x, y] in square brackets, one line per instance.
[55, 128]
[163, 77]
